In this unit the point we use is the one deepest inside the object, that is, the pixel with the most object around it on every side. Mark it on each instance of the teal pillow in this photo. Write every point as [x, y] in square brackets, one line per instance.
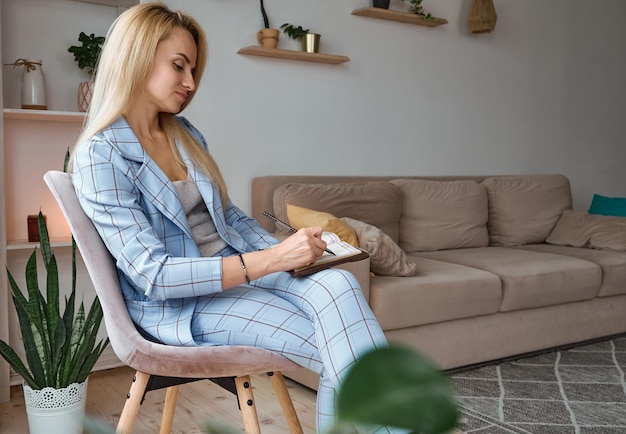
[613, 206]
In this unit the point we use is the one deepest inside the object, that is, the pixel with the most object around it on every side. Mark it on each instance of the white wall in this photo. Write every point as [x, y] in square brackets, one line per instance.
[544, 93]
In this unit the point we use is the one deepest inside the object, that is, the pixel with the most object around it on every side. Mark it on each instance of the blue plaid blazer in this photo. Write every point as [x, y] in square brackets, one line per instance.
[136, 210]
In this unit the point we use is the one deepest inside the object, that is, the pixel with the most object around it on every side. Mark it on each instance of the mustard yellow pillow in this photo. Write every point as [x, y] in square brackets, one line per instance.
[300, 217]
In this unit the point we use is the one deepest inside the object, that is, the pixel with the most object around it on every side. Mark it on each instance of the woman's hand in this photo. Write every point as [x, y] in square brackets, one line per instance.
[298, 250]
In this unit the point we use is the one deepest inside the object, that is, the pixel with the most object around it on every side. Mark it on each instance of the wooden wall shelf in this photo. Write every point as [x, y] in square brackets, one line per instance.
[44, 115]
[402, 17]
[256, 50]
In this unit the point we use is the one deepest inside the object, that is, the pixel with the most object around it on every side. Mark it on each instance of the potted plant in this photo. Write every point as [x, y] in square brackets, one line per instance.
[310, 41]
[60, 348]
[267, 36]
[86, 55]
[418, 9]
[382, 4]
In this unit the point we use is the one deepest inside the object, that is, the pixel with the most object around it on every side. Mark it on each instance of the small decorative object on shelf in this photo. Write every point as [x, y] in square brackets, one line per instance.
[310, 41]
[418, 9]
[267, 36]
[33, 227]
[382, 4]
[482, 17]
[33, 84]
[86, 55]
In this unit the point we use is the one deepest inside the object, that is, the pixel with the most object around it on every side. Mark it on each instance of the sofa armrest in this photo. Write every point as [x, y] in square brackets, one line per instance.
[360, 270]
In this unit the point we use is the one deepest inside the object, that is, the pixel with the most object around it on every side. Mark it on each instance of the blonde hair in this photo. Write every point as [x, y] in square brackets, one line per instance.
[125, 62]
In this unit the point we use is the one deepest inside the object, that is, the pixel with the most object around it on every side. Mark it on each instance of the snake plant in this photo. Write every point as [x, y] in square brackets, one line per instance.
[60, 347]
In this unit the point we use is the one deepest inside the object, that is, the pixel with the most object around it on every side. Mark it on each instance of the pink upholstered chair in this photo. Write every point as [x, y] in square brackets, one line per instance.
[158, 365]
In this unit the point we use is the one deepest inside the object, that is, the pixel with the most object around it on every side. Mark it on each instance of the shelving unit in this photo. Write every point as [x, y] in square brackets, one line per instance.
[43, 115]
[401, 17]
[255, 50]
[29, 245]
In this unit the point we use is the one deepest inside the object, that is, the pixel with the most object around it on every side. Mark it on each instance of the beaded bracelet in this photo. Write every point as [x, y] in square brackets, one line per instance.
[245, 270]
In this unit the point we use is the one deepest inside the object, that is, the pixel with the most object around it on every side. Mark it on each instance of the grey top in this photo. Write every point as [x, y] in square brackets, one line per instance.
[202, 227]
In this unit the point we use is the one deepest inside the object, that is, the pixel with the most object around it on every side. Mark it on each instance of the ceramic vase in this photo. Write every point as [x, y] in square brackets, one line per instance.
[53, 410]
[85, 91]
[33, 86]
[268, 38]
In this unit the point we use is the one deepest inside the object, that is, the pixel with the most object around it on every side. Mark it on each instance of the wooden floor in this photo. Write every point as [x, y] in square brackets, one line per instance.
[197, 402]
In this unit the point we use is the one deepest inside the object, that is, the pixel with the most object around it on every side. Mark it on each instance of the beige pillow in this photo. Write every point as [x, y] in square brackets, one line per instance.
[524, 209]
[386, 257]
[579, 229]
[439, 215]
[300, 217]
[376, 203]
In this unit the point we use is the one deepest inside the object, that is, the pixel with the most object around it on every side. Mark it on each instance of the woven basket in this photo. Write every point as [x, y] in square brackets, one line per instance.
[482, 17]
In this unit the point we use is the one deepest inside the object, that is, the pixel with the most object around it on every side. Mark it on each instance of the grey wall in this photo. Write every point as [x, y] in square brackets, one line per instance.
[544, 93]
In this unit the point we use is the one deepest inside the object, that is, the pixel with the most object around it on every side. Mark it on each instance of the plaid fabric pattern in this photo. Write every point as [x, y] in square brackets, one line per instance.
[321, 321]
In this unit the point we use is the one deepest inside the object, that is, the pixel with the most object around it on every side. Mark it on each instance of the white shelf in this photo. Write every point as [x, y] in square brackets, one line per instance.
[44, 115]
[27, 245]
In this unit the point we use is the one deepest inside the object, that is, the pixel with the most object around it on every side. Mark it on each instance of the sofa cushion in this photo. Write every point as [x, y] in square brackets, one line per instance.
[376, 203]
[300, 217]
[579, 229]
[386, 257]
[610, 206]
[440, 292]
[530, 279]
[440, 215]
[613, 264]
[524, 209]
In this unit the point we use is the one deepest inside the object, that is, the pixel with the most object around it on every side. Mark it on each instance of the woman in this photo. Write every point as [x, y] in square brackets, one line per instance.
[194, 269]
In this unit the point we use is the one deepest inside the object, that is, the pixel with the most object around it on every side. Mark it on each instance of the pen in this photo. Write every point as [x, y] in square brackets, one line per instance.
[288, 226]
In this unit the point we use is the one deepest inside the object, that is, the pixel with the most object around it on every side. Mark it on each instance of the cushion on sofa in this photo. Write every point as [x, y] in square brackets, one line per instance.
[524, 209]
[440, 292]
[386, 257]
[610, 206]
[613, 264]
[440, 215]
[579, 229]
[376, 203]
[530, 279]
[300, 217]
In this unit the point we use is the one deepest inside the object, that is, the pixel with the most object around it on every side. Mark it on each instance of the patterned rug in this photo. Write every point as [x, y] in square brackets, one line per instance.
[578, 390]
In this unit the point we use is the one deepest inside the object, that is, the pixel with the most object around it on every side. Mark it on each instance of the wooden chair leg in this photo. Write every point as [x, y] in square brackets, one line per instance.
[133, 401]
[280, 388]
[169, 408]
[247, 405]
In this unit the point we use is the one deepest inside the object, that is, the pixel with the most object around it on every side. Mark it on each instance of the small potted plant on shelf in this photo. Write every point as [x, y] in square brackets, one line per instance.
[86, 56]
[418, 9]
[60, 348]
[310, 41]
[267, 36]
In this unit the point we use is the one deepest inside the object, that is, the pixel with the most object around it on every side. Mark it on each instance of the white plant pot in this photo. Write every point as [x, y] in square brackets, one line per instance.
[52, 410]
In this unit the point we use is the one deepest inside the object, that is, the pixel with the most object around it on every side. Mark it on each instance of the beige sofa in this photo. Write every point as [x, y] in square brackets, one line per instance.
[502, 264]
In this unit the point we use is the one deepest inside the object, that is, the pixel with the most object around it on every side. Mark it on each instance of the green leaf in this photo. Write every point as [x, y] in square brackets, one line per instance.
[398, 387]
[66, 161]
[16, 363]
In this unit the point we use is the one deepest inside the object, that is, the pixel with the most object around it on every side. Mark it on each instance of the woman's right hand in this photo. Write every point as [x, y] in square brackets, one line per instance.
[298, 250]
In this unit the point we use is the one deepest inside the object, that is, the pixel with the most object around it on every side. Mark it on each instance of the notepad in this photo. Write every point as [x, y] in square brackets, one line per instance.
[344, 252]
